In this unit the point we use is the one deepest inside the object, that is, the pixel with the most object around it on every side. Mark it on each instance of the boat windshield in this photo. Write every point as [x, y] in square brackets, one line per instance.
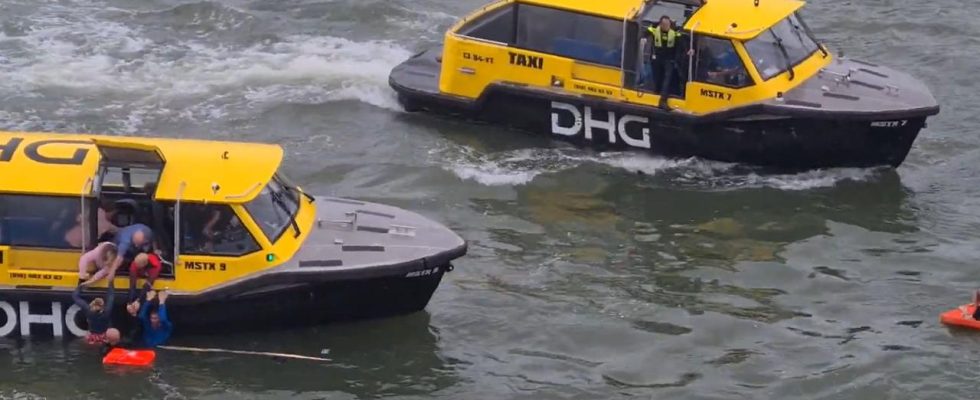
[275, 208]
[781, 47]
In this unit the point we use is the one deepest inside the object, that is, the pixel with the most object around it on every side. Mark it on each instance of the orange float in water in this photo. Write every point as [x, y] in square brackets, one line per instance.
[955, 317]
[119, 356]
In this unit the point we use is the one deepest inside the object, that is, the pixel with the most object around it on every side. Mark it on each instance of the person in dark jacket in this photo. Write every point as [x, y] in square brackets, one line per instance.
[98, 313]
[156, 325]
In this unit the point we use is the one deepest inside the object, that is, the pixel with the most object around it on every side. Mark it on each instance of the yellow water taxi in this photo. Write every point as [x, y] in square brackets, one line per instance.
[748, 83]
[243, 246]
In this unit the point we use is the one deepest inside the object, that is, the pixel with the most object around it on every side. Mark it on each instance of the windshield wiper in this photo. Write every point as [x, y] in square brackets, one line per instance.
[277, 198]
[813, 38]
[782, 49]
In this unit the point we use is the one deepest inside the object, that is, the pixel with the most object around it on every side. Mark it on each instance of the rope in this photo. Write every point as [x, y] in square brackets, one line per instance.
[255, 353]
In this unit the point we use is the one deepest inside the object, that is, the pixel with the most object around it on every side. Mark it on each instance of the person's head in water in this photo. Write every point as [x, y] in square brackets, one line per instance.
[665, 23]
[97, 305]
[155, 319]
[112, 336]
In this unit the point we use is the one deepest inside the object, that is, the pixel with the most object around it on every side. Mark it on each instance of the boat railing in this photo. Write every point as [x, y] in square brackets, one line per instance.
[84, 214]
[180, 194]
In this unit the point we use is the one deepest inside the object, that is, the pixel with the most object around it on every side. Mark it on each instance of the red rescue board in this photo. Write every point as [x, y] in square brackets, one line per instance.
[955, 317]
[119, 356]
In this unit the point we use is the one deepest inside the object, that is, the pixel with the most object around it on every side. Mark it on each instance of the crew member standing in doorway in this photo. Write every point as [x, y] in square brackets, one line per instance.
[664, 43]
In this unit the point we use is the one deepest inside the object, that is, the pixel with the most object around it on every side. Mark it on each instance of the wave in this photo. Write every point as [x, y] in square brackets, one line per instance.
[522, 166]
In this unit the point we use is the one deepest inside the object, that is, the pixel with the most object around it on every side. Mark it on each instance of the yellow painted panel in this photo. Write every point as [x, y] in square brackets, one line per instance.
[740, 19]
[618, 9]
[67, 161]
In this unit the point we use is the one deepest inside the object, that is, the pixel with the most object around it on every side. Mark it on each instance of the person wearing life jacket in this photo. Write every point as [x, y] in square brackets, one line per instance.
[663, 45]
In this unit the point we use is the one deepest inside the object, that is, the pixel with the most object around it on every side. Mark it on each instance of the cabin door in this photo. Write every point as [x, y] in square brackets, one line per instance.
[125, 189]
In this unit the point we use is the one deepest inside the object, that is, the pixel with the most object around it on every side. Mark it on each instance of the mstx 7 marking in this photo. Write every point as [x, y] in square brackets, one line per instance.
[568, 120]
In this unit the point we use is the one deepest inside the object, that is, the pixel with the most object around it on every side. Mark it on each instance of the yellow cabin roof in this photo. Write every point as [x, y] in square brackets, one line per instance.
[717, 16]
[60, 164]
[616, 9]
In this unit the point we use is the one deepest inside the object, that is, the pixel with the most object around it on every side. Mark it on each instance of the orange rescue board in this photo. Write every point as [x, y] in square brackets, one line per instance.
[139, 358]
[955, 317]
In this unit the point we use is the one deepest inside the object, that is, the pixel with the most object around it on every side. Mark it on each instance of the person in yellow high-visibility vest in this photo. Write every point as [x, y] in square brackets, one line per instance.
[663, 46]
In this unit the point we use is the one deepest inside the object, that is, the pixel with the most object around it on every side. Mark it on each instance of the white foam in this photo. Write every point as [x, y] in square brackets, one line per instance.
[520, 167]
[77, 54]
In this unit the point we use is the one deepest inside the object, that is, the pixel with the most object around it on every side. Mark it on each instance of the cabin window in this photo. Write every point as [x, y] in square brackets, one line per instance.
[40, 221]
[496, 25]
[781, 47]
[719, 64]
[582, 37]
[274, 209]
[129, 180]
[213, 229]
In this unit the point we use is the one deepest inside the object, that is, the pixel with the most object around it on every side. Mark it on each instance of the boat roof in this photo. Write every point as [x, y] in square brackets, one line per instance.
[740, 19]
[616, 9]
[62, 164]
[735, 19]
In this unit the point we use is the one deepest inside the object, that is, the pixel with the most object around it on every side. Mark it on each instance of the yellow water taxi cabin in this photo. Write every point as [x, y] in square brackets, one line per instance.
[242, 245]
[742, 81]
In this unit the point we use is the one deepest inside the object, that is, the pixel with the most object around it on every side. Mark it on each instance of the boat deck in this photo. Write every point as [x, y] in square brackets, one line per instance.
[420, 73]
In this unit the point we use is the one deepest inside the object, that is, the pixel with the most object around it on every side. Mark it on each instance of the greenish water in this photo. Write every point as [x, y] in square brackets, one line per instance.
[584, 279]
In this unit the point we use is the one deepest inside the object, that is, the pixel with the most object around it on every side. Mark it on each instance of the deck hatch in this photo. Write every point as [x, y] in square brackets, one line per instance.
[873, 72]
[362, 248]
[842, 96]
[321, 263]
[375, 213]
[372, 229]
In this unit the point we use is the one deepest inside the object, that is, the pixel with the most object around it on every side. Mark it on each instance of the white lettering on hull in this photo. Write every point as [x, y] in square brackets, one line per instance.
[22, 317]
[612, 127]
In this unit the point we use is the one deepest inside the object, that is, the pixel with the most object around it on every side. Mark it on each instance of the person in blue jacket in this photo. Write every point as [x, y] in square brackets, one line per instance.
[156, 325]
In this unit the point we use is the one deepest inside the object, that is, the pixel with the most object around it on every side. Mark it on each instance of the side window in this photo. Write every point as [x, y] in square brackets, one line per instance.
[496, 25]
[719, 64]
[40, 221]
[213, 229]
[567, 34]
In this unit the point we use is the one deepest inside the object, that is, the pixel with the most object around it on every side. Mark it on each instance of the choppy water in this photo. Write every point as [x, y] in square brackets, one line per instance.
[585, 279]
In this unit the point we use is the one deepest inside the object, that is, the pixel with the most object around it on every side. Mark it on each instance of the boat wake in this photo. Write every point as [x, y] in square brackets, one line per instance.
[522, 166]
[122, 64]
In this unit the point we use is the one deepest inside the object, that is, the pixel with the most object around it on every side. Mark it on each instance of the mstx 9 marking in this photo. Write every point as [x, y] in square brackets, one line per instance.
[568, 120]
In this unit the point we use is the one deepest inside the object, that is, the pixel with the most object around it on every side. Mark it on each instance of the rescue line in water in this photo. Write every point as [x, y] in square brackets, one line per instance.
[242, 246]
[741, 81]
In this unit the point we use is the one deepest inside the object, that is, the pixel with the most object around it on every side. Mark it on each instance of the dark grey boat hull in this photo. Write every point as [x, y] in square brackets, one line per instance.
[779, 136]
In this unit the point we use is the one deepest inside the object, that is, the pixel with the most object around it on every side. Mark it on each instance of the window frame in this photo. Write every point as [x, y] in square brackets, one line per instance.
[65, 247]
[292, 216]
[750, 81]
[482, 18]
[790, 65]
[241, 219]
[622, 30]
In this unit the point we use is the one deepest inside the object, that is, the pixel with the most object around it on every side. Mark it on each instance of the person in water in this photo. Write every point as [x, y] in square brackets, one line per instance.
[976, 307]
[98, 313]
[94, 265]
[156, 325]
